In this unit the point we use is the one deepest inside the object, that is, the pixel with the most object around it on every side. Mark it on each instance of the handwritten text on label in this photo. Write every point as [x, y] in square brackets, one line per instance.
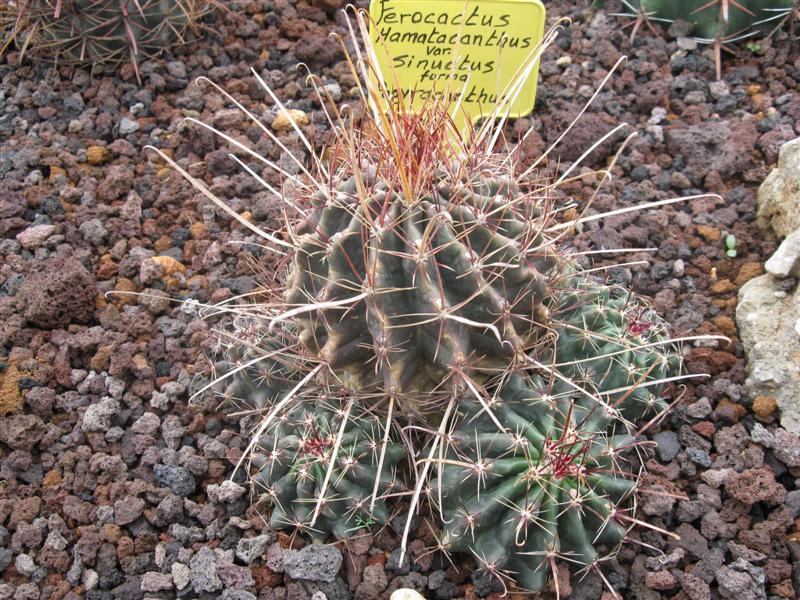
[448, 48]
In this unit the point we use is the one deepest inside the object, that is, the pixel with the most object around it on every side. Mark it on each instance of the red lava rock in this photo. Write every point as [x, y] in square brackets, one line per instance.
[313, 44]
[25, 509]
[723, 286]
[330, 5]
[587, 130]
[562, 577]
[264, 577]
[784, 589]
[118, 181]
[26, 535]
[660, 580]
[692, 541]
[712, 361]
[729, 411]
[58, 292]
[777, 570]
[40, 401]
[234, 576]
[755, 485]
[354, 566]
[704, 428]
[317, 50]
[54, 558]
[35, 236]
[731, 439]
[78, 510]
[21, 432]
[770, 143]
[764, 407]
[88, 544]
[695, 588]
[747, 271]
[726, 147]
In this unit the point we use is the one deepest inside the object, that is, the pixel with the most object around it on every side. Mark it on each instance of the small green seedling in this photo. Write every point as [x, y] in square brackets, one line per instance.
[730, 244]
[754, 48]
[362, 523]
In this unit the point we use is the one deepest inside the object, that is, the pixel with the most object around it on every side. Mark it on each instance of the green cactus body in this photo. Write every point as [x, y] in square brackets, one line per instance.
[453, 281]
[88, 31]
[711, 19]
[292, 457]
[614, 346]
[553, 484]
[253, 369]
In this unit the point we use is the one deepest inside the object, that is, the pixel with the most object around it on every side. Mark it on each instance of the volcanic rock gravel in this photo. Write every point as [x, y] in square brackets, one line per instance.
[113, 485]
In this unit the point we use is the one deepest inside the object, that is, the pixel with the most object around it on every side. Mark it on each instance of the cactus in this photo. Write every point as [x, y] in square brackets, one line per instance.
[430, 297]
[716, 22]
[100, 31]
[291, 455]
[720, 19]
[291, 462]
[608, 339]
[552, 484]
[253, 367]
[454, 279]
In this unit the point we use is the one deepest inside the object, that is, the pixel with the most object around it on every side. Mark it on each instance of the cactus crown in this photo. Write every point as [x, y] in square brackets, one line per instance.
[609, 341]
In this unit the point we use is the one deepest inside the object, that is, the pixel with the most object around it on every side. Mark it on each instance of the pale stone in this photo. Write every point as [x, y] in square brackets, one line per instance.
[35, 236]
[284, 118]
[96, 155]
[768, 318]
[406, 594]
[786, 260]
[181, 575]
[169, 265]
[127, 126]
[779, 195]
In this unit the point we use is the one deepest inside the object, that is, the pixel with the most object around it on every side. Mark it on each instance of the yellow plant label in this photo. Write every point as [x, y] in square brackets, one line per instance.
[468, 52]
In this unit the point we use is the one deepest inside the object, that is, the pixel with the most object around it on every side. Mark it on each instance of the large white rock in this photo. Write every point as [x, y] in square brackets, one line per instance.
[779, 195]
[768, 318]
[406, 594]
[786, 260]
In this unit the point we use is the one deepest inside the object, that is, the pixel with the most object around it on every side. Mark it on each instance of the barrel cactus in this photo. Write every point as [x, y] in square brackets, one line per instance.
[405, 291]
[430, 299]
[251, 366]
[610, 340]
[100, 31]
[325, 428]
[553, 483]
[716, 22]
[326, 470]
